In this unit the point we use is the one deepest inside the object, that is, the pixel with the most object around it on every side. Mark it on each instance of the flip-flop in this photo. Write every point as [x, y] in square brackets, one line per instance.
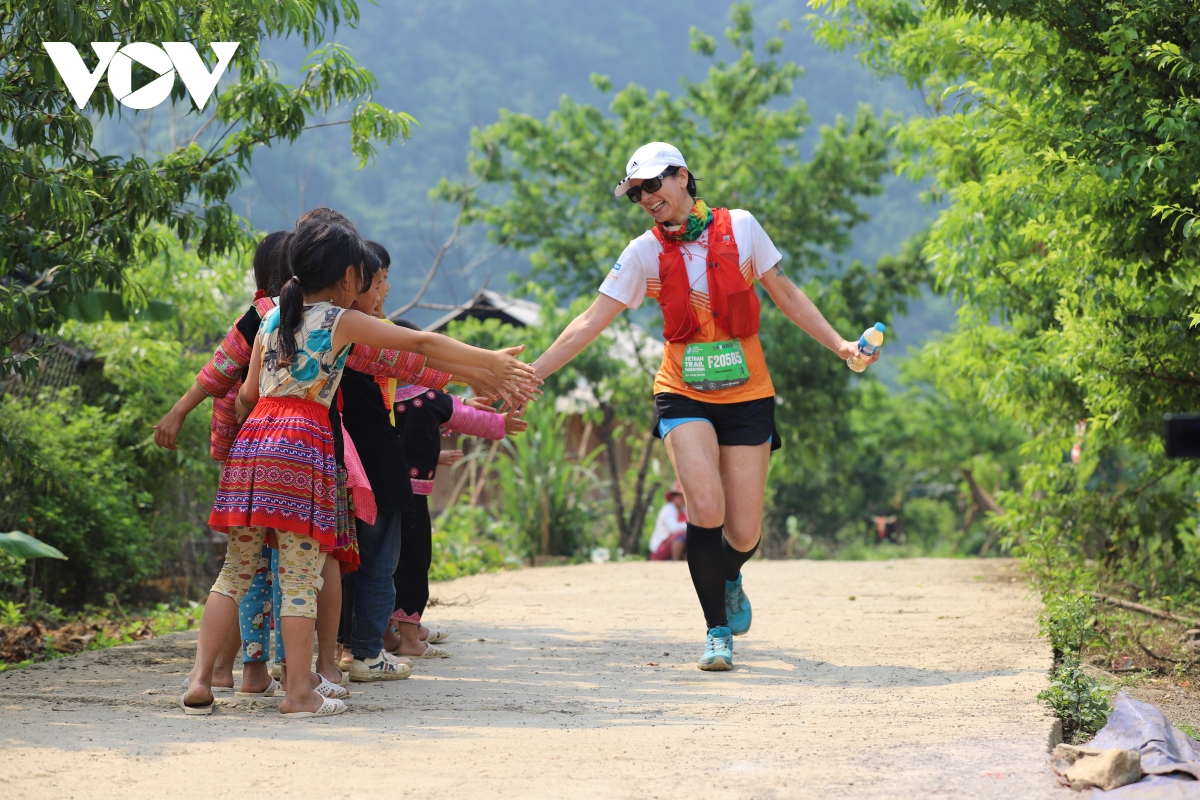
[329, 708]
[328, 688]
[433, 651]
[274, 689]
[213, 689]
[196, 711]
[437, 635]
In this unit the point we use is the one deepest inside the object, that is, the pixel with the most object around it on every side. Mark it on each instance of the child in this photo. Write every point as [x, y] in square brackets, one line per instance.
[281, 471]
[421, 414]
[221, 378]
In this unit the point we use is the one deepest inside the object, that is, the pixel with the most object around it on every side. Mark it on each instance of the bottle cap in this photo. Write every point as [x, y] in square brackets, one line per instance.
[879, 326]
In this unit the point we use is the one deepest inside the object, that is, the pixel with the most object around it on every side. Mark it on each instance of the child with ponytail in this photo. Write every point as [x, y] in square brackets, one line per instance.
[281, 472]
[220, 379]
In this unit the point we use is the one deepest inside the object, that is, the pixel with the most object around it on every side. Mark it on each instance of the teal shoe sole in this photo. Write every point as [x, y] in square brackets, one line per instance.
[716, 665]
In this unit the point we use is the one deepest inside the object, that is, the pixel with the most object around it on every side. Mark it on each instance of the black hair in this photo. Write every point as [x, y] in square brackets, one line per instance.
[382, 253]
[319, 253]
[271, 266]
[691, 181]
[371, 267]
[324, 214]
[403, 323]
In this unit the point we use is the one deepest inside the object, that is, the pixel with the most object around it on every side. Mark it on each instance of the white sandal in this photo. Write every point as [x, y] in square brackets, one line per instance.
[329, 689]
[436, 635]
[196, 711]
[274, 689]
[213, 689]
[329, 708]
[432, 651]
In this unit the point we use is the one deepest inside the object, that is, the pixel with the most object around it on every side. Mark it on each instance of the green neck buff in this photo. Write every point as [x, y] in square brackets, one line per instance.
[697, 221]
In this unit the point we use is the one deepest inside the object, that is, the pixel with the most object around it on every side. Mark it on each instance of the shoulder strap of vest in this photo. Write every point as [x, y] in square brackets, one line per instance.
[264, 305]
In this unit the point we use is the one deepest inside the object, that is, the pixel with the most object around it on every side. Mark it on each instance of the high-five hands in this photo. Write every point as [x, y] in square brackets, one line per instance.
[511, 380]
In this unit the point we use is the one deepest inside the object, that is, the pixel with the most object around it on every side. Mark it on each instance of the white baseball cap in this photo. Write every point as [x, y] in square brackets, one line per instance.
[649, 161]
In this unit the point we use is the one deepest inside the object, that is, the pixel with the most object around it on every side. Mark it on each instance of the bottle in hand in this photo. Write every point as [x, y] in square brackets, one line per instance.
[868, 343]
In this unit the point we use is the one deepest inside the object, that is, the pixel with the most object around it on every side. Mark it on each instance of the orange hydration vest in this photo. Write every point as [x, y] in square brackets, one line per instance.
[732, 298]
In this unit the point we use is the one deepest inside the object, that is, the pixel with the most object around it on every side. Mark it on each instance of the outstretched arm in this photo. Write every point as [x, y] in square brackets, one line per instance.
[517, 378]
[582, 331]
[799, 309]
[168, 427]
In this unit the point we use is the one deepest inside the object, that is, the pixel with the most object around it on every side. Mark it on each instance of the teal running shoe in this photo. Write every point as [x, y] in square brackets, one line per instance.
[737, 607]
[718, 650]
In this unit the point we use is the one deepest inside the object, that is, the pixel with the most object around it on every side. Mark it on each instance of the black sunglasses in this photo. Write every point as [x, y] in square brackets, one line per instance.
[649, 186]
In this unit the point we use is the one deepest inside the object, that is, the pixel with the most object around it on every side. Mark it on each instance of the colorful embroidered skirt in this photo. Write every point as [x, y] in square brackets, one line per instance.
[281, 472]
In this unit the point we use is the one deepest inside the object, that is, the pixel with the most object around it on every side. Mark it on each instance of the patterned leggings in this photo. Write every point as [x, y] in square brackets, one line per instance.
[300, 563]
[256, 617]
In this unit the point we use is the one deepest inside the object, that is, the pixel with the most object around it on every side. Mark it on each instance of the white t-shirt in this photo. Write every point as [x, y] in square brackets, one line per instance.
[666, 525]
[636, 272]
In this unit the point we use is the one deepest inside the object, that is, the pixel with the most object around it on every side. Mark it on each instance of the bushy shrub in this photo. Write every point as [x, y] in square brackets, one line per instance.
[929, 522]
[1078, 700]
[466, 541]
[543, 489]
[91, 509]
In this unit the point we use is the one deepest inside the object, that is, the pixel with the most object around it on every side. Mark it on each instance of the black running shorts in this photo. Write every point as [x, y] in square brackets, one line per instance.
[748, 423]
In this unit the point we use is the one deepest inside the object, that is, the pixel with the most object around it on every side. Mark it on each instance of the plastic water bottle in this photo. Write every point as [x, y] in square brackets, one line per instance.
[868, 343]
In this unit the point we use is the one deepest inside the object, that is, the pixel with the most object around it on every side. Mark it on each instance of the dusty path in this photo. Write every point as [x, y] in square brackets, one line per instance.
[580, 682]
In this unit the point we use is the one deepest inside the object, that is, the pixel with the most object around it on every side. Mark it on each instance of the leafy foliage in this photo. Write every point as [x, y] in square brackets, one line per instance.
[1066, 143]
[1068, 621]
[543, 492]
[121, 509]
[467, 540]
[23, 546]
[75, 218]
[1078, 700]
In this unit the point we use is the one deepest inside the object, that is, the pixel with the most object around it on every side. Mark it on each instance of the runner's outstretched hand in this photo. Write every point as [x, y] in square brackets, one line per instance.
[517, 381]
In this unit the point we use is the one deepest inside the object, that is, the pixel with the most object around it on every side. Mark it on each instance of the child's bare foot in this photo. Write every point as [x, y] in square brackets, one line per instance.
[222, 680]
[310, 701]
[255, 677]
[197, 694]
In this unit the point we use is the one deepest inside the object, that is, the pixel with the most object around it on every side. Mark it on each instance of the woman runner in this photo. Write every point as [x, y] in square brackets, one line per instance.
[713, 398]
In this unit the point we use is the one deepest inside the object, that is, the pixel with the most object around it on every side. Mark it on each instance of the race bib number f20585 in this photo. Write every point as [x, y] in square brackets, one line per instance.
[709, 366]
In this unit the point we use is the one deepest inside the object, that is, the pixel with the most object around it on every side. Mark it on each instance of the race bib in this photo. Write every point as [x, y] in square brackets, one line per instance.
[709, 366]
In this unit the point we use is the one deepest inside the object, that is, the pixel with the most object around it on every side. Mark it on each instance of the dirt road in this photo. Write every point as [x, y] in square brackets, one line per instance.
[580, 682]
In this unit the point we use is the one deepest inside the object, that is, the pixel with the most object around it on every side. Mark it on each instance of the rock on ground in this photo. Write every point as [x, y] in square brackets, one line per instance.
[580, 681]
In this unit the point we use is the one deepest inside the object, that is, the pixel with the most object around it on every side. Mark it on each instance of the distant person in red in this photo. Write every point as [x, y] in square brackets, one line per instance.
[668, 542]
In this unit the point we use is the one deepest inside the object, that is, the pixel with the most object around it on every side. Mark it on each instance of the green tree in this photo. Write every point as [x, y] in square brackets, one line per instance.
[74, 218]
[1066, 142]
[120, 508]
[741, 129]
